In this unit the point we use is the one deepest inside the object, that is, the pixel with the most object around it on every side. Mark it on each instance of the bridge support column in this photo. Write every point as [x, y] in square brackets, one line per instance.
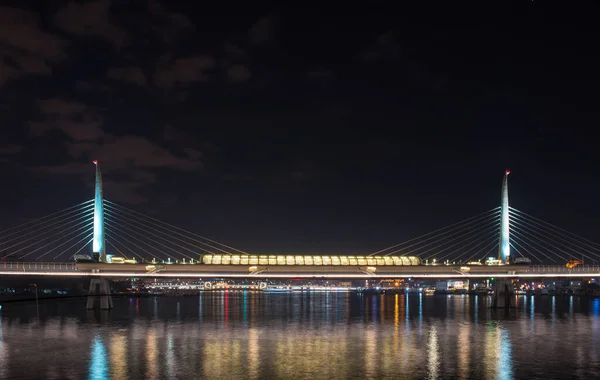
[504, 247]
[503, 291]
[99, 294]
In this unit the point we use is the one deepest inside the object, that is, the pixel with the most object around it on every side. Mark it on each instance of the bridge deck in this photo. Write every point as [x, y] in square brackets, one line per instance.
[216, 271]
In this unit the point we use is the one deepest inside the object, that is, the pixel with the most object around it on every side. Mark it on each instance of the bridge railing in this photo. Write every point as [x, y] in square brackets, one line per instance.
[563, 269]
[37, 266]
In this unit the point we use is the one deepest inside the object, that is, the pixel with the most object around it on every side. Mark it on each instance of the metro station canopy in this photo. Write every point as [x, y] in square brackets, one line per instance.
[212, 259]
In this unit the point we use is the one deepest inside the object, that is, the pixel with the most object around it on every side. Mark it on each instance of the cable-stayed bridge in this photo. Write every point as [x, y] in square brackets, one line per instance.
[61, 236]
[110, 240]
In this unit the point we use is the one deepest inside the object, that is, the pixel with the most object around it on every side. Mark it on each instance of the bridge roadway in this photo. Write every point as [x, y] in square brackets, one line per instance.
[284, 271]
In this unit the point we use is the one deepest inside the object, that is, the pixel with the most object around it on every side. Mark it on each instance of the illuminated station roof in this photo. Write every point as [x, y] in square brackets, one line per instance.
[309, 260]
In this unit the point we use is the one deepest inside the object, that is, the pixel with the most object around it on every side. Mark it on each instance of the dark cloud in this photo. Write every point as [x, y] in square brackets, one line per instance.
[91, 19]
[132, 191]
[168, 26]
[193, 154]
[385, 45]
[77, 121]
[238, 73]
[261, 32]
[129, 164]
[120, 185]
[91, 86]
[387, 48]
[24, 47]
[120, 152]
[234, 51]
[133, 75]
[27, 49]
[184, 71]
[171, 133]
[10, 149]
[185, 141]
[71, 168]
[20, 30]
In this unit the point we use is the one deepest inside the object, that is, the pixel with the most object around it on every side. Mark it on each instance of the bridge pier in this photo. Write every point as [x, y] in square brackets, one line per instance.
[502, 293]
[99, 291]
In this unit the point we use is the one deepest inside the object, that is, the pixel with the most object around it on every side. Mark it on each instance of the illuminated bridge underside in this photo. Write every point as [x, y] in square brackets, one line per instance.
[290, 272]
[312, 260]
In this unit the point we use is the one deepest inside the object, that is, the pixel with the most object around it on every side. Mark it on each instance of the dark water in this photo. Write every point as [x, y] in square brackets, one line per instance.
[295, 336]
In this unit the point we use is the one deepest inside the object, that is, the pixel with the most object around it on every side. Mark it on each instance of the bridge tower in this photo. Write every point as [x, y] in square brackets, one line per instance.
[99, 293]
[504, 245]
[503, 286]
[98, 250]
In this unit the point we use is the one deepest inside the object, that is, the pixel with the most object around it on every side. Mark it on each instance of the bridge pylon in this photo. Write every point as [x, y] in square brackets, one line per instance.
[98, 242]
[504, 244]
[503, 286]
[99, 287]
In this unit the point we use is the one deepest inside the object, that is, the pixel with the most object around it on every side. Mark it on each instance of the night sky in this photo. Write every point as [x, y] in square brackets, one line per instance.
[310, 130]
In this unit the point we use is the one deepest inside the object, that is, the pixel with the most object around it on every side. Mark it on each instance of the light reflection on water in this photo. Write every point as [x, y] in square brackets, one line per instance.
[98, 362]
[302, 336]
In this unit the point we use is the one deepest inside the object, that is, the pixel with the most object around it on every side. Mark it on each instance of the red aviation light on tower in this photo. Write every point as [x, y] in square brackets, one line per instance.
[507, 171]
[95, 162]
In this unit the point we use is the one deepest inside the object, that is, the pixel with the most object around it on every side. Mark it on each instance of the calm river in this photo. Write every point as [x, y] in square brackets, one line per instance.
[244, 335]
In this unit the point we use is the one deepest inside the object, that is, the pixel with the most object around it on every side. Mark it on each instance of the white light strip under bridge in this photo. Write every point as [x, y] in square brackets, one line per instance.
[298, 275]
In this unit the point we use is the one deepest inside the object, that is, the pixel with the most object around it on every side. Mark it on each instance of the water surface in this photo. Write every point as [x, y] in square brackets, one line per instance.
[245, 335]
